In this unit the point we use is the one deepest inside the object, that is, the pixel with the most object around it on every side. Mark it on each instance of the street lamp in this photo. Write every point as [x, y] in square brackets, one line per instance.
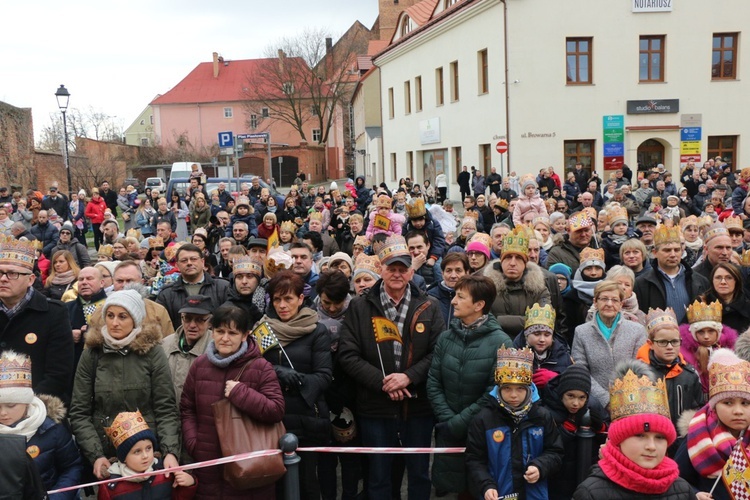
[63, 96]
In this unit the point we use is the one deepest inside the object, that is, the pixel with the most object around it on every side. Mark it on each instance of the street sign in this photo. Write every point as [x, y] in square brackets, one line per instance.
[261, 135]
[690, 134]
[502, 147]
[226, 139]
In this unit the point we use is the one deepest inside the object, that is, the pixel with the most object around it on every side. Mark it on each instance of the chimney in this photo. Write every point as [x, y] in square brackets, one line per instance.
[329, 45]
[216, 64]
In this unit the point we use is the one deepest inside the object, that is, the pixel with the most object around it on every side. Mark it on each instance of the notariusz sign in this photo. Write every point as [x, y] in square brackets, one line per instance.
[653, 106]
[652, 5]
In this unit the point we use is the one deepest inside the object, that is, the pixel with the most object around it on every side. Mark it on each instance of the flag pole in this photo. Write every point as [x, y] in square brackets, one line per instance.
[382, 368]
[715, 484]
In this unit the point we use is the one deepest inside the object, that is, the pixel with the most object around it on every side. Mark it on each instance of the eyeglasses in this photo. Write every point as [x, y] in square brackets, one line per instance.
[608, 300]
[665, 343]
[13, 275]
[727, 279]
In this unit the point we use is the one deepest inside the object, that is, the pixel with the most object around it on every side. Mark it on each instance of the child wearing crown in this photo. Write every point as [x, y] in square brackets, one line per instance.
[135, 443]
[551, 354]
[619, 232]
[384, 220]
[513, 444]
[714, 430]
[634, 462]
[528, 201]
[702, 334]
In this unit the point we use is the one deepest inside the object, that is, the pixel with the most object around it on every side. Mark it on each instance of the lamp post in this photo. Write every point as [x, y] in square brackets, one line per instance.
[63, 96]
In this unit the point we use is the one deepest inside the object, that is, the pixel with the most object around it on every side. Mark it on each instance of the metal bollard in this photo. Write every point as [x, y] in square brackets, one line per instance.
[584, 447]
[288, 444]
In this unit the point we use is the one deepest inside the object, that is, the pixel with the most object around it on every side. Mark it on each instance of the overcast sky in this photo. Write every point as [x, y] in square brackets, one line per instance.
[115, 57]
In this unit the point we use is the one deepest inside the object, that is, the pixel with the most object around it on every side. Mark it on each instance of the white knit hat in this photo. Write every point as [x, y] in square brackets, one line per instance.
[15, 378]
[131, 301]
[341, 256]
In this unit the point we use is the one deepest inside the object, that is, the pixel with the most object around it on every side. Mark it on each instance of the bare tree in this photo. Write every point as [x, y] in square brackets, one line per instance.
[91, 124]
[302, 79]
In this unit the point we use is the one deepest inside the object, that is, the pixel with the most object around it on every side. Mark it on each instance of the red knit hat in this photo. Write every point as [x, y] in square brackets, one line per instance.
[626, 427]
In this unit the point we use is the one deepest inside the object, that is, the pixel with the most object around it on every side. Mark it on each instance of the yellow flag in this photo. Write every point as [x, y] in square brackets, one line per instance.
[264, 337]
[381, 222]
[385, 330]
[273, 240]
[736, 473]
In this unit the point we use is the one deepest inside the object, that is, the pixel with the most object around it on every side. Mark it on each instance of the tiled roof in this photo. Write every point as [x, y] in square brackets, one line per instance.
[375, 46]
[421, 12]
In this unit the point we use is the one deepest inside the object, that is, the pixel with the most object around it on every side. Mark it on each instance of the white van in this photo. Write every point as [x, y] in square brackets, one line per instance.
[182, 169]
[156, 184]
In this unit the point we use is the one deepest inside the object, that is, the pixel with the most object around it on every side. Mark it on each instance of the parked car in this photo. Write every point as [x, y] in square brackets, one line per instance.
[156, 184]
[182, 185]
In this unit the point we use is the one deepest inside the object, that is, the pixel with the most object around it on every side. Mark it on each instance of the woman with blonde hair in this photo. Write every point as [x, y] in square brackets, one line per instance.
[626, 278]
[63, 273]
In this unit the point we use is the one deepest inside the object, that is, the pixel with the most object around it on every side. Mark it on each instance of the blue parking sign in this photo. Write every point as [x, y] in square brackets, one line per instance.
[226, 139]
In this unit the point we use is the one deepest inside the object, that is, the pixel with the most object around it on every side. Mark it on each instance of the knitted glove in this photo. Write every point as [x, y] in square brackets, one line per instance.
[542, 376]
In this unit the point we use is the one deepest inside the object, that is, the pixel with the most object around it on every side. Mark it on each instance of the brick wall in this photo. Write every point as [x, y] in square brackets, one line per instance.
[389, 11]
[16, 146]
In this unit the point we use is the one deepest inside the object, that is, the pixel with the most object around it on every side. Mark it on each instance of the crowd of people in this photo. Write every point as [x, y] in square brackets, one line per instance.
[365, 316]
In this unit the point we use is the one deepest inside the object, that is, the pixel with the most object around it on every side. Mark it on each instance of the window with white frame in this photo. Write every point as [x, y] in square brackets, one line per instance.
[253, 121]
[228, 113]
[316, 135]
[144, 141]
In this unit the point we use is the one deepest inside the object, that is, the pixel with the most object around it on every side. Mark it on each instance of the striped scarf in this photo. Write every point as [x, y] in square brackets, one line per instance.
[709, 443]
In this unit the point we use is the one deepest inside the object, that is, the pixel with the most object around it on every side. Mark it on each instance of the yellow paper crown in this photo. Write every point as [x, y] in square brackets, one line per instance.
[734, 223]
[369, 263]
[631, 395]
[591, 254]
[15, 370]
[249, 265]
[702, 311]
[393, 246]
[541, 219]
[362, 241]
[717, 229]
[539, 318]
[17, 253]
[170, 252]
[745, 173]
[746, 258]
[691, 220]
[617, 214]
[125, 425]
[383, 201]
[106, 251]
[316, 216]
[134, 233]
[288, 226]
[416, 209]
[657, 318]
[155, 242]
[514, 366]
[483, 238]
[656, 200]
[579, 220]
[664, 235]
[705, 221]
[38, 245]
[727, 374]
[502, 203]
[516, 242]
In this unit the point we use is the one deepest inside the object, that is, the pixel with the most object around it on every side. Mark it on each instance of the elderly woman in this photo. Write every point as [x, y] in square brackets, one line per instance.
[607, 339]
[727, 288]
[63, 274]
[123, 369]
[304, 365]
[232, 368]
[630, 310]
[634, 255]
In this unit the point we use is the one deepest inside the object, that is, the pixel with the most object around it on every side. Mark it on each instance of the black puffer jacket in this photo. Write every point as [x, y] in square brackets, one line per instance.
[174, 295]
[598, 486]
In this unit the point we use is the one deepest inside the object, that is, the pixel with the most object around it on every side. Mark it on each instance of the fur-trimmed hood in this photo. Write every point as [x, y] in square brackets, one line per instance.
[742, 346]
[683, 423]
[149, 337]
[533, 277]
[55, 408]
[727, 339]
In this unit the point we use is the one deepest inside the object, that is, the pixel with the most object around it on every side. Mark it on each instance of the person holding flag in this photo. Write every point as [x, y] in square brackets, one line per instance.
[386, 345]
[713, 458]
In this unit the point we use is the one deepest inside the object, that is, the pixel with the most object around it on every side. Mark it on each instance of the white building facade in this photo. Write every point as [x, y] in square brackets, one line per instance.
[603, 83]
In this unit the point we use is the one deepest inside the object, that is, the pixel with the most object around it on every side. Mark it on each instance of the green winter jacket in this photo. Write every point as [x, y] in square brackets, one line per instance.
[461, 374]
[136, 380]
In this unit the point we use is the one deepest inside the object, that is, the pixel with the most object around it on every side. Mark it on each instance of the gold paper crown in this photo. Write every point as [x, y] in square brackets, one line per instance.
[288, 226]
[717, 229]
[664, 235]
[704, 221]
[579, 220]
[134, 233]
[170, 252]
[316, 216]
[617, 214]
[656, 200]
[516, 242]
[250, 265]
[631, 395]
[734, 223]
[589, 253]
[383, 201]
[38, 245]
[542, 219]
[106, 250]
[527, 178]
[483, 238]
[502, 203]
[723, 378]
[746, 258]
[514, 366]
[155, 242]
[472, 215]
[369, 263]
[17, 253]
[691, 220]
[125, 425]
[702, 311]
[392, 247]
[539, 318]
[362, 241]
[15, 370]
[745, 173]
[242, 200]
[657, 318]
[416, 209]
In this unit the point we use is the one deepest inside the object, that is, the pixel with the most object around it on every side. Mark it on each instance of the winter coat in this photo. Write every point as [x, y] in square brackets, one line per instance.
[109, 382]
[727, 338]
[397, 221]
[738, 197]
[359, 355]
[598, 486]
[249, 219]
[163, 217]
[306, 408]
[684, 390]
[20, 478]
[59, 204]
[42, 331]
[247, 303]
[498, 451]
[558, 358]
[612, 249]
[48, 234]
[514, 297]
[691, 476]
[592, 351]
[143, 220]
[258, 395]
[477, 185]
[652, 293]
[174, 295]
[735, 315]
[199, 217]
[568, 254]
[80, 253]
[364, 197]
[461, 374]
[525, 205]
[434, 235]
[157, 487]
[180, 362]
[95, 210]
[444, 296]
[55, 453]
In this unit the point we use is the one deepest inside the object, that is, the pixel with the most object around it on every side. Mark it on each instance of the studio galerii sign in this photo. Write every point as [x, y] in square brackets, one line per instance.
[652, 5]
[653, 106]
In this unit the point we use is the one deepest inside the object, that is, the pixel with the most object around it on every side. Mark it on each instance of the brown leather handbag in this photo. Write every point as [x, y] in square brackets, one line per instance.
[238, 433]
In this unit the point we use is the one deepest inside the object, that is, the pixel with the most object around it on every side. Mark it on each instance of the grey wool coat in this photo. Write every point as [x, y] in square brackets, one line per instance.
[599, 356]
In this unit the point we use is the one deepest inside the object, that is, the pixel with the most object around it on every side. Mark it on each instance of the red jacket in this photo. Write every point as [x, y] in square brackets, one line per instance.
[95, 210]
[157, 487]
[258, 395]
